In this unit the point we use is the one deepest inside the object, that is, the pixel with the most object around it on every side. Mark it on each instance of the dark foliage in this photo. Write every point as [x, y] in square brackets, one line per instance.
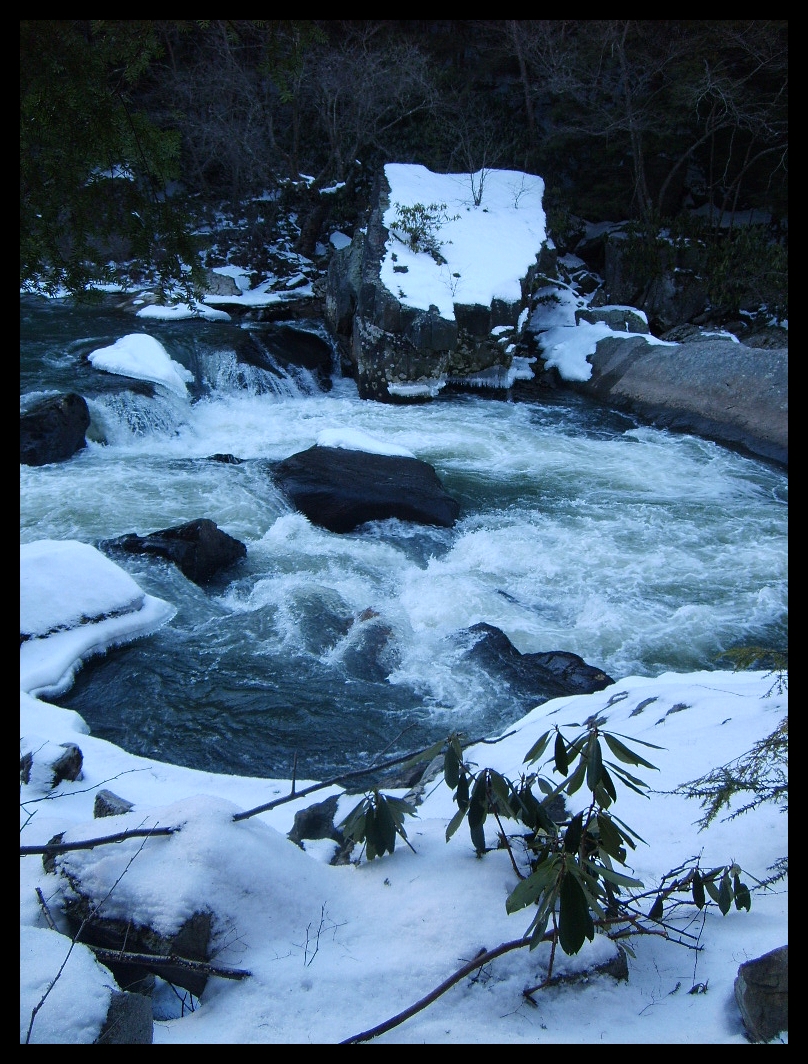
[124, 124]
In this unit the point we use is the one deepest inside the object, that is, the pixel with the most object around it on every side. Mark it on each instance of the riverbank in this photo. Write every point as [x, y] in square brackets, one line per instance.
[715, 388]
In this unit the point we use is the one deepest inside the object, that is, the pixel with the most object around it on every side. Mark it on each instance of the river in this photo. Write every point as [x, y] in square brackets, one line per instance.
[580, 529]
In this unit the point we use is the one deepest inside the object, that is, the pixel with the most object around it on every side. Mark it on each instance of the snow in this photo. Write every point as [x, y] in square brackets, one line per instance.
[333, 951]
[144, 358]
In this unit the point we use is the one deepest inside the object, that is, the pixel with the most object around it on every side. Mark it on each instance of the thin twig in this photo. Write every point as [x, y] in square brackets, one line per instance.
[45, 909]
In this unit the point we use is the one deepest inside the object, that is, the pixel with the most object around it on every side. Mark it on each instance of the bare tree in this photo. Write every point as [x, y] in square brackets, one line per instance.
[365, 87]
[672, 92]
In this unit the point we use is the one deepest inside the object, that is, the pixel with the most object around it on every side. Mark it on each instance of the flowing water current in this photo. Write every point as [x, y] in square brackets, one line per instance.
[580, 530]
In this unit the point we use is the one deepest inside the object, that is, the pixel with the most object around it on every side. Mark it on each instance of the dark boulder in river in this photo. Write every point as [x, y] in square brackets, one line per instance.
[53, 430]
[340, 489]
[536, 678]
[199, 549]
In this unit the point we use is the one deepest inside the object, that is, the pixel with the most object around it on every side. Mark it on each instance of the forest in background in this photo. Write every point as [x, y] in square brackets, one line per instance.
[132, 132]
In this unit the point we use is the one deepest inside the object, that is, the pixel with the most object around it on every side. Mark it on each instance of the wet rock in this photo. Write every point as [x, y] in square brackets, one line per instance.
[199, 548]
[340, 489]
[535, 677]
[53, 430]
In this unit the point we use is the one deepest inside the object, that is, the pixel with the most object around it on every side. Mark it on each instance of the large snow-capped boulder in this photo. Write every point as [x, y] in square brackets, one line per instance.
[404, 347]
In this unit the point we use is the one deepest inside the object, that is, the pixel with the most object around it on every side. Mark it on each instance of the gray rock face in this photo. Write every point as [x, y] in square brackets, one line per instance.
[340, 489]
[129, 1022]
[761, 991]
[107, 803]
[53, 430]
[674, 294]
[190, 943]
[714, 388]
[621, 319]
[54, 763]
[401, 353]
[316, 822]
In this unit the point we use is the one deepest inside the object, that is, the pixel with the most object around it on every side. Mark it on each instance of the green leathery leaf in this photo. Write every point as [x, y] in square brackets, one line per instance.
[626, 777]
[400, 807]
[455, 823]
[477, 837]
[544, 820]
[610, 838]
[574, 921]
[502, 791]
[462, 792]
[537, 749]
[451, 767]
[622, 753]
[573, 784]
[525, 806]
[478, 806]
[631, 786]
[354, 823]
[618, 878]
[743, 899]
[627, 832]
[656, 909]
[560, 754]
[455, 741]
[425, 755]
[711, 888]
[373, 835]
[698, 890]
[593, 896]
[529, 890]
[639, 742]
[572, 836]
[724, 895]
[594, 763]
[538, 928]
[387, 825]
[608, 783]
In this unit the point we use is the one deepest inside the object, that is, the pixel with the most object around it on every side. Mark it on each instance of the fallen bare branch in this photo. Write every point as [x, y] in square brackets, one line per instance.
[151, 960]
[53, 848]
[356, 774]
[481, 959]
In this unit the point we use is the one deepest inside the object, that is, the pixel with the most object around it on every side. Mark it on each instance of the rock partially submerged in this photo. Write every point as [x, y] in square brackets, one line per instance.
[198, 548]
[54, 430]
[538, 677]
[340, 489]
[714, 388]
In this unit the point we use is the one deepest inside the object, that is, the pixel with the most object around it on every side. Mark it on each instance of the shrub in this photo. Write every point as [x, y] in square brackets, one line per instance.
[418, 226]
[569, 867]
